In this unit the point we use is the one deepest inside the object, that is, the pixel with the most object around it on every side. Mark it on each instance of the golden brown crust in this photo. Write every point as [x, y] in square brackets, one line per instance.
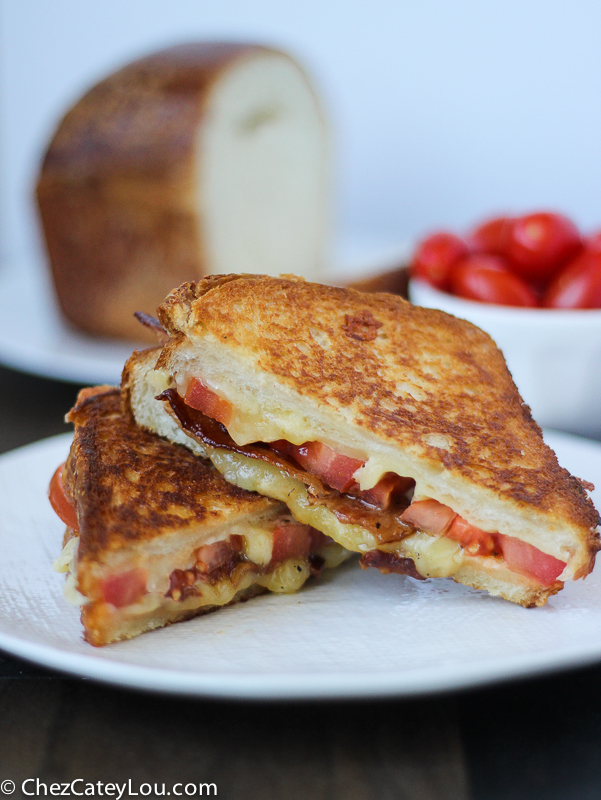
[130, 486]
[116, 191]
[102, 626]
[395, 370]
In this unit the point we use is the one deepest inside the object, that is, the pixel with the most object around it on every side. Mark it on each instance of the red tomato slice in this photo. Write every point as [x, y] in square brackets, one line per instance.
[538, 244]
[490, 237]
[435, 256]
[530, 561]
[474, 540]
[126, 588]
[328, 465]
[578, 285]
[390, 484]
[206, 400]
[291, 540]
[486, 279]
[429, 516]
[59, 501]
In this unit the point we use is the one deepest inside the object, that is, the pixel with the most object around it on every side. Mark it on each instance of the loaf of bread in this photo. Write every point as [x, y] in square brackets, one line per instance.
[201, 159]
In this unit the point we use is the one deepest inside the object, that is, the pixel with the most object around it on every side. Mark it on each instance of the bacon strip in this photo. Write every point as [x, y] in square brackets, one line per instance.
[390, 562]
[153, 324]
[385, 526]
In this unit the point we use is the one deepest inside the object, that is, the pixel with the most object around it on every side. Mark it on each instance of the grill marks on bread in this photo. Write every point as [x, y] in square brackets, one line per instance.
[131, 486]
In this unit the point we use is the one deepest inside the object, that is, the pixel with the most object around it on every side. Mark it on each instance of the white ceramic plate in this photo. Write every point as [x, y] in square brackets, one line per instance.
[35, 338]
[351, 634]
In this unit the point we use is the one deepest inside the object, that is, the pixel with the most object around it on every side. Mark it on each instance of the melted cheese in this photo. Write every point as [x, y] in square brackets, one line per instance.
[266, 479]
[258, 546]
[434, 557]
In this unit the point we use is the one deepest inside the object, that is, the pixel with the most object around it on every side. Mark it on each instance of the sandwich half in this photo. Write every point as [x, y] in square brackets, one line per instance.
[393, 429]
[155, 535]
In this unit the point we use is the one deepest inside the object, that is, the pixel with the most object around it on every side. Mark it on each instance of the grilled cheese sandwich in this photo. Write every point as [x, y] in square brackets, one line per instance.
[155, 535]
[396, 430]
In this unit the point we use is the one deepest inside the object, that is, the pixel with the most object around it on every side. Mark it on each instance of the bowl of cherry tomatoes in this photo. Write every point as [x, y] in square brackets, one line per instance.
[534, 284]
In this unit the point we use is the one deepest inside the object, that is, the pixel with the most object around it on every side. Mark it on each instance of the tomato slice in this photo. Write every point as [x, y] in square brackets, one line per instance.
[429, 516]
[490, 237]
[199, 396]
[59, 501]
[485, 278]
[578, 285]
[474, 540]
[291, 540]
[126, 588]
[528, 560]
[390, 484]
[324, 462]
[538, 244]
[435, 256]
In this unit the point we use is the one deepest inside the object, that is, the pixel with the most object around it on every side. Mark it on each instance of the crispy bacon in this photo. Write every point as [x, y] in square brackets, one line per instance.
[385, 525]
[390, 562]
[152, 323]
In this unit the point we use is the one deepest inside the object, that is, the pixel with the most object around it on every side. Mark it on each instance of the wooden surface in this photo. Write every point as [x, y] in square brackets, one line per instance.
[531, 739]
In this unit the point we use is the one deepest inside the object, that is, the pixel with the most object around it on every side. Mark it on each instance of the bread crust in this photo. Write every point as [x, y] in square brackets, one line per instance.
[116, 192]
[421, 380]
[131, 487]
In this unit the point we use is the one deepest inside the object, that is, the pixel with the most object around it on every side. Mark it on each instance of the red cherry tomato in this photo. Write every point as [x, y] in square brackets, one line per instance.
[486, 279]
[59, 501]
[204, 399]
[538, 244]
[490, 236]
[522, 557]
[593, 242]
[578, 285]
[435, 256]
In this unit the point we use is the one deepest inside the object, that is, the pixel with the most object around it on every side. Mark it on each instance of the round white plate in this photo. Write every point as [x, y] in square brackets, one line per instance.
[35, 338]
[350, 634]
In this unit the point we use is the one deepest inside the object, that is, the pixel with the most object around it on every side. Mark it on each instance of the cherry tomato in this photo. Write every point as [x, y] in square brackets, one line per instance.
[435, 256]
[126, 588]
[59, 501]
[531, 561]
[593, 242]
[204, 399]
[538, 244]
[486, 279]
[490, 236]
[578, 285]
[474, 541]
[291, 540]
[332, 468]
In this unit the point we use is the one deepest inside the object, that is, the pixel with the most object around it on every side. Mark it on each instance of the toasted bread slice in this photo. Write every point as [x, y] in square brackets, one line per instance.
[160, 535]
[403, 390]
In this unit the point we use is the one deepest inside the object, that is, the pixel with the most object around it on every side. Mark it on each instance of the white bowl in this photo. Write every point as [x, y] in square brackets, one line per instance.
[554, 356]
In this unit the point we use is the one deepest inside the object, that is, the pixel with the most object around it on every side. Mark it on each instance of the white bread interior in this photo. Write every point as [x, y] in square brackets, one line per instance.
[262, 170]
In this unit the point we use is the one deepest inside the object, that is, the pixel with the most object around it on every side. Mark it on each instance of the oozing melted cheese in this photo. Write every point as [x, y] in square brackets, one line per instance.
[434, 556]
[266, 479]
[286, 578]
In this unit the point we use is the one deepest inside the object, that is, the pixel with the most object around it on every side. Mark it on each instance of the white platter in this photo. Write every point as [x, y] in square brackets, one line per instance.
[352, 634]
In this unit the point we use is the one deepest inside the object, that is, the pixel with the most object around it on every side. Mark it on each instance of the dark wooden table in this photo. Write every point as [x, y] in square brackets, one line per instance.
[529, 739]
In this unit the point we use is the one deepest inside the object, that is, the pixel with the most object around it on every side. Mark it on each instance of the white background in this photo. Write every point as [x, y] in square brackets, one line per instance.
[442, 111]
